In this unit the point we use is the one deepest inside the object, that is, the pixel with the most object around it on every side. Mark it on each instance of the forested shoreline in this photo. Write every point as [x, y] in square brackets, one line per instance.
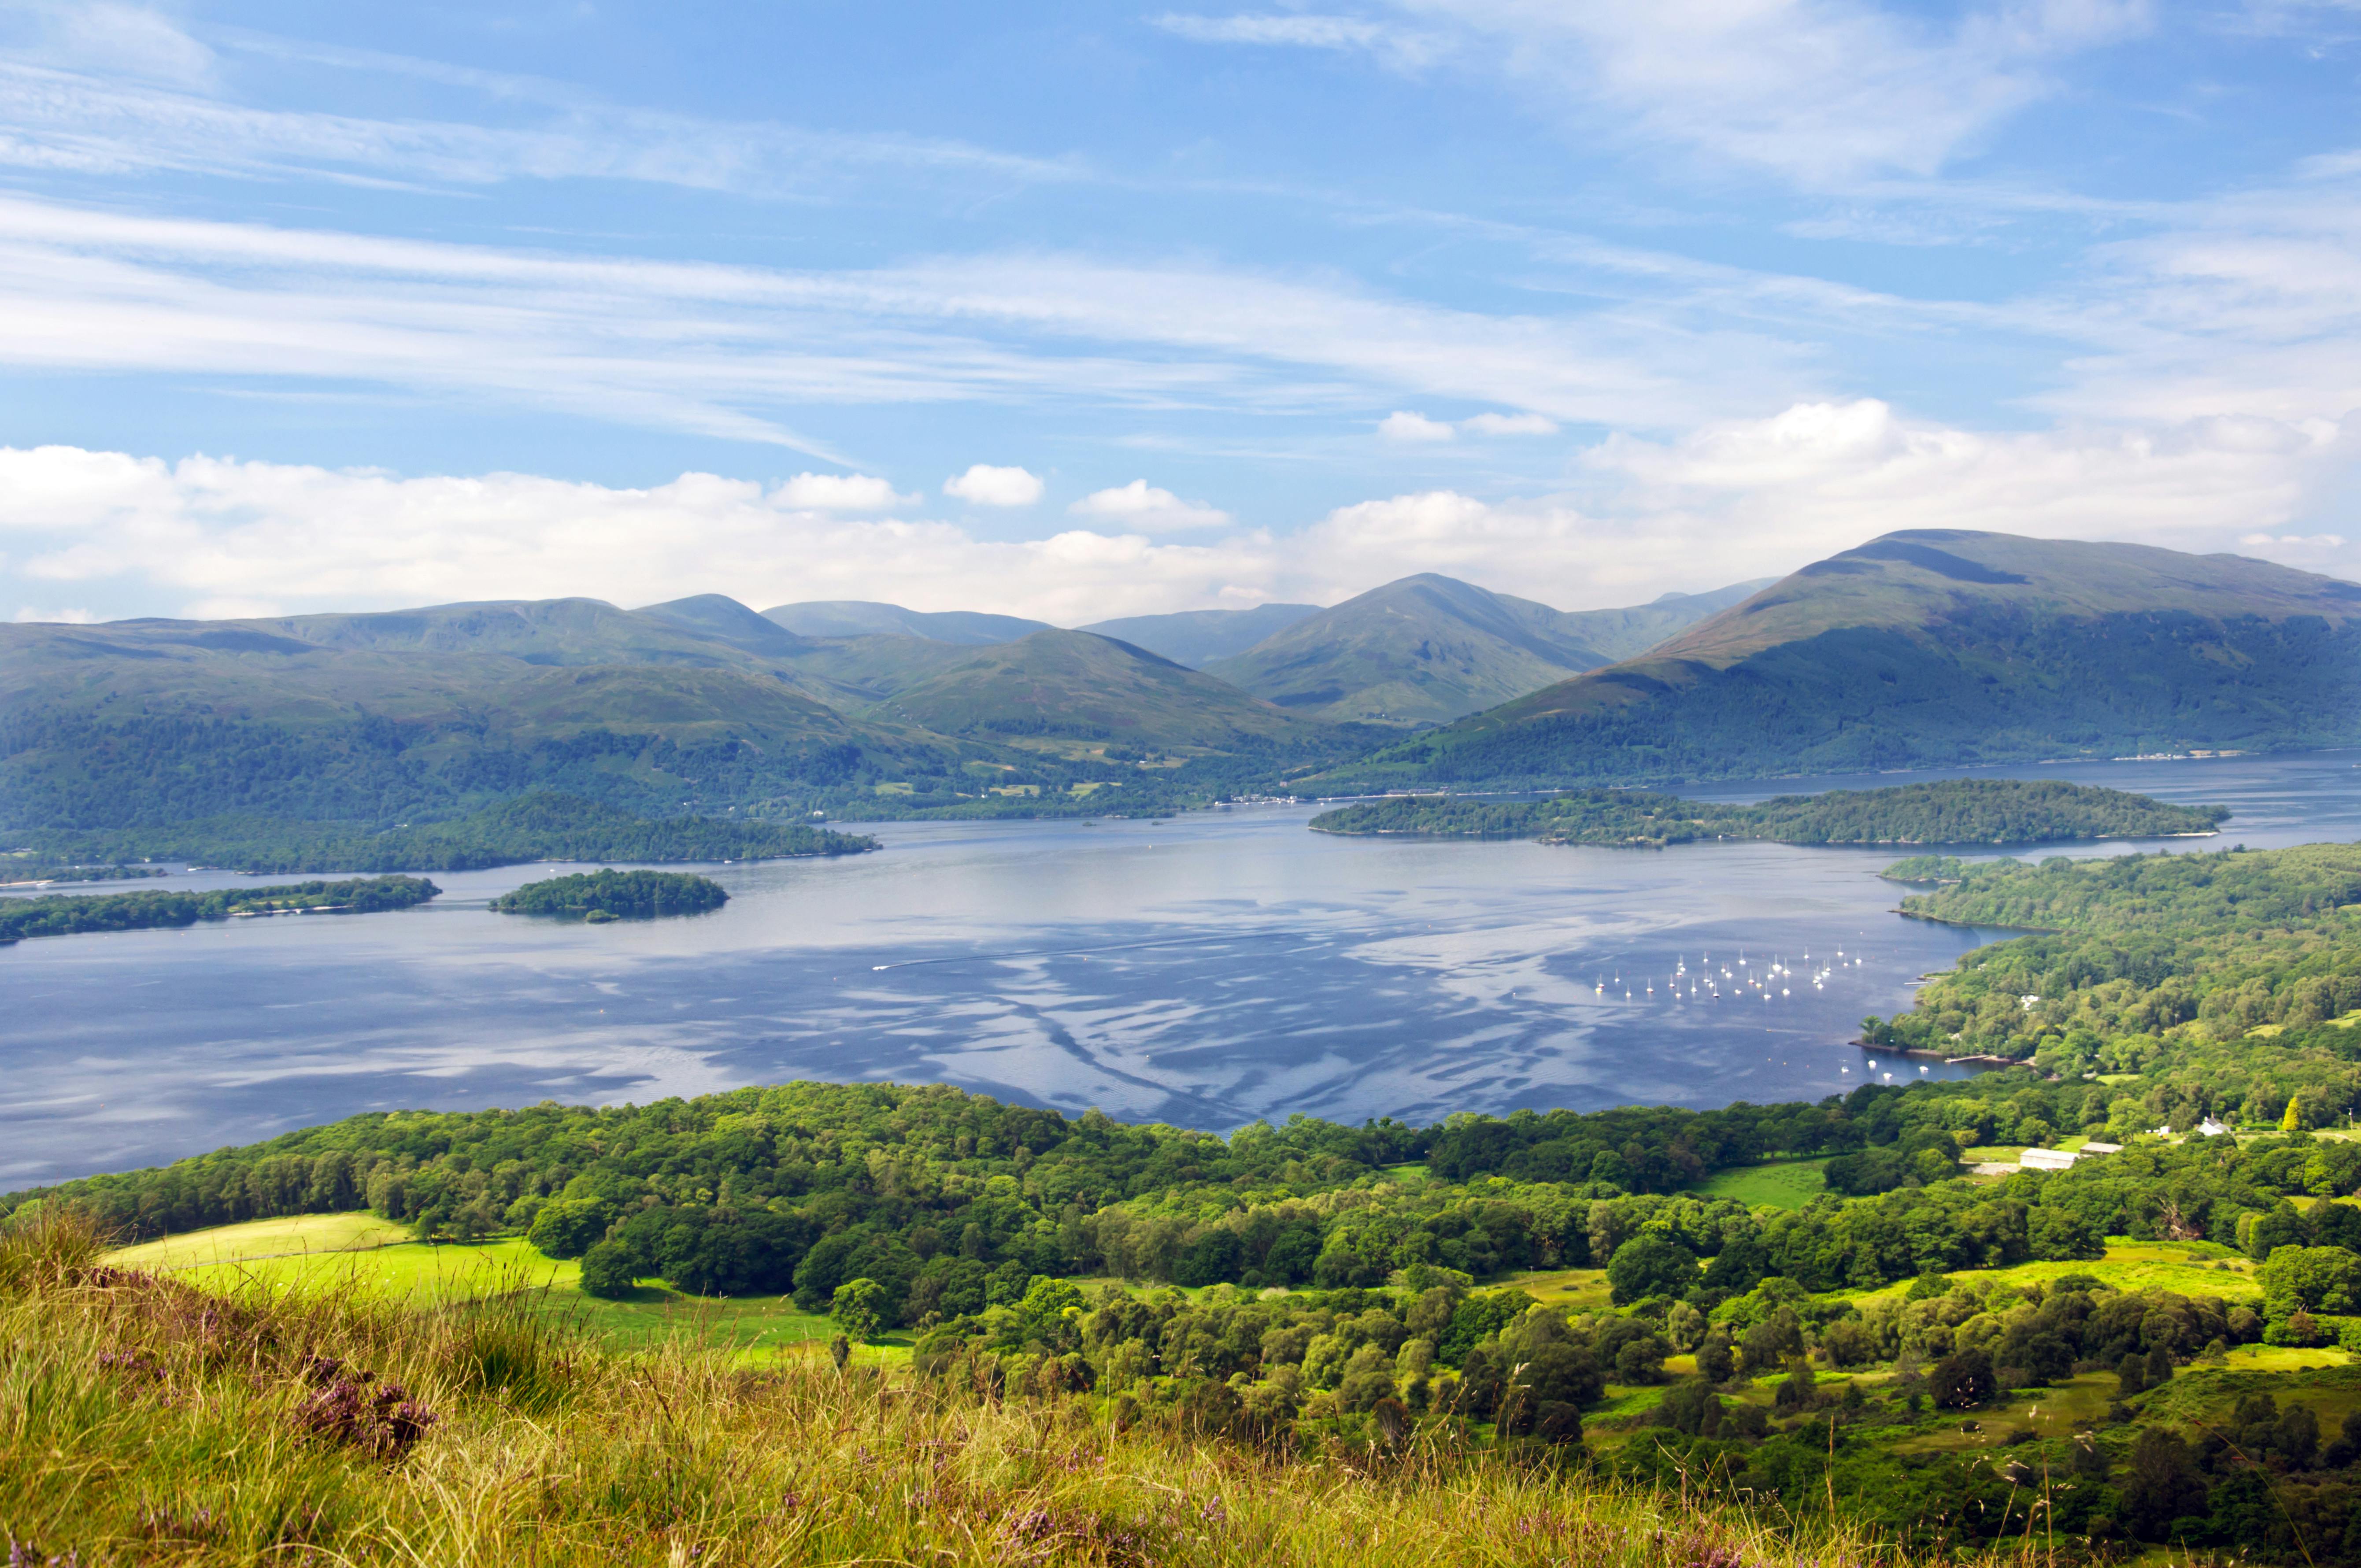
[73, 914]
[1952, 811]
[536, 827]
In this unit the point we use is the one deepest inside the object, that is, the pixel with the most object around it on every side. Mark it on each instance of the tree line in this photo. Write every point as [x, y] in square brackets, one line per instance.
[1954, 811]
[69, 913]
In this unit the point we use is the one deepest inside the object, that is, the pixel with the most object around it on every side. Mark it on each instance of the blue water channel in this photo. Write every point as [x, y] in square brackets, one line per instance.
[1206, 971]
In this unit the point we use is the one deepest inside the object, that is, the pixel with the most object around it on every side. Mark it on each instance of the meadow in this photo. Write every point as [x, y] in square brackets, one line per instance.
[1778, 1184]
[363, 1257]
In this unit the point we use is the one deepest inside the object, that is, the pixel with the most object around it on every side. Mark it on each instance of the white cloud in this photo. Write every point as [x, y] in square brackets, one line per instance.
[987, 486]
[212, 537]
[838, 492]
[1403, 425]
[1142, 506]
[56, 617]
[1509, 424]
[1766, 494]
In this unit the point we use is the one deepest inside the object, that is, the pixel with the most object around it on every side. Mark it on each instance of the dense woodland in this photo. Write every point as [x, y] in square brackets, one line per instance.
[73, 914]
[1955, 811]
[1989, 685]
[2241, 966]
[538, 827]
[259, 794]
[614, 895]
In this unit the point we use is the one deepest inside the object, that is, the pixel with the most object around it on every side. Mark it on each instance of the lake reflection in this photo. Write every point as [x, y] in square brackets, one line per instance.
[1204, 970]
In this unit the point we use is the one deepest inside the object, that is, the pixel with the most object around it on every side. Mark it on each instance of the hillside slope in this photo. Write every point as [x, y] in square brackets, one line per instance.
[1430, 649]
[1931, 648]
[1197, 637]
[426, 713]
[1080, 686]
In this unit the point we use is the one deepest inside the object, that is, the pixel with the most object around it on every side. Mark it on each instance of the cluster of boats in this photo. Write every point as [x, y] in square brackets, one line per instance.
[1765, 980]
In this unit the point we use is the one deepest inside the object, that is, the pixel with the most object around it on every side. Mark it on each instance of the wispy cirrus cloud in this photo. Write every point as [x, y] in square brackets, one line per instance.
[730, 351]
[1824, 93]
[1404, 48]
[59, 119]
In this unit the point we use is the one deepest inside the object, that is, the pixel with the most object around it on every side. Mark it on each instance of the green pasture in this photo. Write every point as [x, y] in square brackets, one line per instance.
[364, 1255]
[1579, 1289]
[1775, 1184]
[299, 1233]
[2191, 1269]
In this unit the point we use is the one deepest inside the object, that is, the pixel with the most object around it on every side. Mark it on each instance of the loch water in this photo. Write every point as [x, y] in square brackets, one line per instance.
[1206, 970]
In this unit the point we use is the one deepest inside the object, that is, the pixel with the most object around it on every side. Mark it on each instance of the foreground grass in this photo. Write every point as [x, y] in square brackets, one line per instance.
[144, 1421]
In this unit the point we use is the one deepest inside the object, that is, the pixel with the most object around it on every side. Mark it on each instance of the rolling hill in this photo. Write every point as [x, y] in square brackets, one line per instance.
[1430, 649]
[366, 722]
[1943, 648]
[1079, 685]
[1197, 637]
[417, 713]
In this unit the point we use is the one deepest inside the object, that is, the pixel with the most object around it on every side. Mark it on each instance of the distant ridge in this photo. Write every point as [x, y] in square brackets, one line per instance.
[863, 618]
[1197, 637]
[1943, 647]
[1429, 648]
[1077, 686]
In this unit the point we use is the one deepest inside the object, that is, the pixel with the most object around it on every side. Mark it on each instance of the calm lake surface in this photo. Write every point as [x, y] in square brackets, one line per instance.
[1204, 970]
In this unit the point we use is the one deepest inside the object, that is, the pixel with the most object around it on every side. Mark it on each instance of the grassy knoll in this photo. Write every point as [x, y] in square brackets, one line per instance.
[2190, 1269]
[1776, 1184]
[142, 1419]
[295, 1234]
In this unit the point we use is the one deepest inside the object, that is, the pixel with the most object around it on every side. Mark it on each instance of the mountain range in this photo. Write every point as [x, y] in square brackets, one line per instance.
[1941, 648]
[1921, 648]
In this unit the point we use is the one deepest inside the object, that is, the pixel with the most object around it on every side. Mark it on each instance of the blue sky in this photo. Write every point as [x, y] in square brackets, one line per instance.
[305, 307]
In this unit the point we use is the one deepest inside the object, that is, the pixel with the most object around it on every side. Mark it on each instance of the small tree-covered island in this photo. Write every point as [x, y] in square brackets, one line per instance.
[603, 895]
[2110, 1291]
[76, 913]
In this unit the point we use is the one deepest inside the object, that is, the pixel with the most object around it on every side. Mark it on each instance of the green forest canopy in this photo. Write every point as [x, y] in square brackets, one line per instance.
[1953, 811]
[2242, 961]
[538, 827]
[73, 914]
[614, 895]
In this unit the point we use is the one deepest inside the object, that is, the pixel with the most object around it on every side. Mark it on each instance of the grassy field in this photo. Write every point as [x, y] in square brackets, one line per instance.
[2191, 1269]
[1777, 1184]
[1583, 1290]
[365, 1257]
[265, 1238]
